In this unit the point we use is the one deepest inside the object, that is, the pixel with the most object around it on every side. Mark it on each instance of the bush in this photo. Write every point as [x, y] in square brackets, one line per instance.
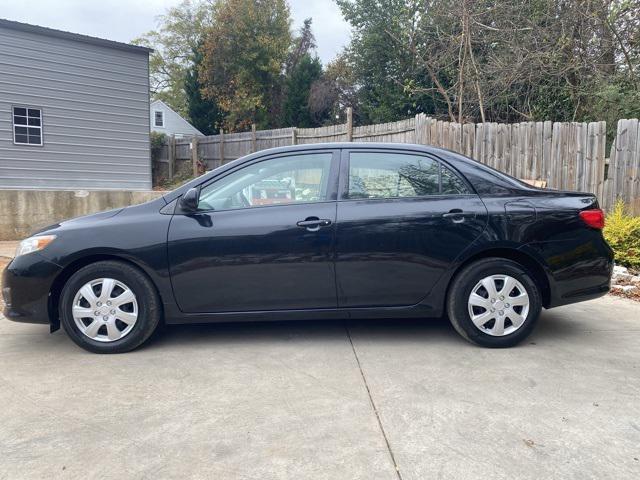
[178, 180]
[157, 141]
[622, 231]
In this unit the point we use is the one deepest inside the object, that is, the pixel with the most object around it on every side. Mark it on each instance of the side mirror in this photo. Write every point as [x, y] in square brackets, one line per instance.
[189, 201]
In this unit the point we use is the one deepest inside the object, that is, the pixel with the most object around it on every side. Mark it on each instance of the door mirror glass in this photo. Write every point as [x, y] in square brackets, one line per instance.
[189, 201]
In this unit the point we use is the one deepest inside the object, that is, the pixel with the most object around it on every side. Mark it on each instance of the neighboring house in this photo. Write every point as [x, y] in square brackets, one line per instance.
[166, 120]
[74, 111]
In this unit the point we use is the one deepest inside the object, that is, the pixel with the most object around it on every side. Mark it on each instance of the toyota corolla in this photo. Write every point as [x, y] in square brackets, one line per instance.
[328, 231]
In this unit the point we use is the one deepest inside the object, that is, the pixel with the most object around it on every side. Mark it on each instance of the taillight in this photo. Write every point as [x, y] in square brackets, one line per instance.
[593, 218]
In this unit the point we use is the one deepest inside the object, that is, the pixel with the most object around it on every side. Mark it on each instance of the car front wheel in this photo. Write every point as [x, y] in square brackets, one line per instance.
[109, 307]
[494, 302]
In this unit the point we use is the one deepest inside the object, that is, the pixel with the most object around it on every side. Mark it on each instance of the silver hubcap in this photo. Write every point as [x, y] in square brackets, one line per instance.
[498, 305]
[105, 310]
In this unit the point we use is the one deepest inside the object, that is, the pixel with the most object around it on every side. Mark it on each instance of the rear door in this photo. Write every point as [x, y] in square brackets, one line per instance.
[402, 219]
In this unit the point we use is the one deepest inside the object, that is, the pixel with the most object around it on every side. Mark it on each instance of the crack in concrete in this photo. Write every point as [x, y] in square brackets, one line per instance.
[373, 404]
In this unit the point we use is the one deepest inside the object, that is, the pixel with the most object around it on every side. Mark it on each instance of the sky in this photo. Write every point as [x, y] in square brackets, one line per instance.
[124, 20]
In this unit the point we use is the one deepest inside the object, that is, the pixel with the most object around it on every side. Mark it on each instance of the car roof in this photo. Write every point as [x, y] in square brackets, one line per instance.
[351, 145]
[443, 153]
[449, 155]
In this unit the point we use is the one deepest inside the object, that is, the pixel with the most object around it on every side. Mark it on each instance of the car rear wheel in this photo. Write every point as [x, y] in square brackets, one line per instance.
[494, 302]
[109, 307]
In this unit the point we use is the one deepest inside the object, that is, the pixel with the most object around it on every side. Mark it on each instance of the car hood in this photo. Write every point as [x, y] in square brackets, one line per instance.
[92, 217]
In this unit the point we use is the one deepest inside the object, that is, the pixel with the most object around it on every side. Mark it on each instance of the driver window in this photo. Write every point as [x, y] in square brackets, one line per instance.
[299, 178]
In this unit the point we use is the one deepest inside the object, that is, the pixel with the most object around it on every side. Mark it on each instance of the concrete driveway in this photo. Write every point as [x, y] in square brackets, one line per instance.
[366, 400]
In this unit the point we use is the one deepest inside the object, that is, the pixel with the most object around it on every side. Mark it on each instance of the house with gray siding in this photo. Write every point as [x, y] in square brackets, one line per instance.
[166, 120]
[74, 111]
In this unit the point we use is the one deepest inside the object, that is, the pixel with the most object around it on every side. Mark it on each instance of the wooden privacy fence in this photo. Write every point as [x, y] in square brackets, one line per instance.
[564, 155]
[623, 176]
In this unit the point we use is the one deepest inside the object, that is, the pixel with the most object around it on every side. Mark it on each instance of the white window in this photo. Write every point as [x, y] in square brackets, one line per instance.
[158, 118]
[27, 126]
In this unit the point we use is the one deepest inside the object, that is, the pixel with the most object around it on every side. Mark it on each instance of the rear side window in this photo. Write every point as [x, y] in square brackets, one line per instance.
[398, 175]
[452, 184]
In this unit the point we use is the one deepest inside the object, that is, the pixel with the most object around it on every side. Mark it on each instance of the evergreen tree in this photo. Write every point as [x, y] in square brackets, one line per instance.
[204, 114]
[296, 110]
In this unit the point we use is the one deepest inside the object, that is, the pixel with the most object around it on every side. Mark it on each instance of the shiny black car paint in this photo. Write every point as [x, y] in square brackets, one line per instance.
[376, 258]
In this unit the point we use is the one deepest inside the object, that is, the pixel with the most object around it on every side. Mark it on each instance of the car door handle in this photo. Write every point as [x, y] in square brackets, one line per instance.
[457, 215]
[313, 224]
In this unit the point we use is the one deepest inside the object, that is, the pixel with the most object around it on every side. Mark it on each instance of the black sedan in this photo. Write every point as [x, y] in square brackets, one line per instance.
[330, 231]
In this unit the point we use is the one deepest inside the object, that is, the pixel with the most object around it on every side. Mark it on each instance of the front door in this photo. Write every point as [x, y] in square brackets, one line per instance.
[402, 221]
[261, 240]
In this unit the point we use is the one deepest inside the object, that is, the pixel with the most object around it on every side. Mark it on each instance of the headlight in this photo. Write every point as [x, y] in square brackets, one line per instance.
[34, 244]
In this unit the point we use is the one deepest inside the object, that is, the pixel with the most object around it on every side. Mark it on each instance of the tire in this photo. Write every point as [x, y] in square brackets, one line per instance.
[494, 328]
[118, 327]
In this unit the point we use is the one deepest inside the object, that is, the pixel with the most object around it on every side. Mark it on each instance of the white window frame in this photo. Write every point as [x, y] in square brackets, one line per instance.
[155, 119]
[17, 125]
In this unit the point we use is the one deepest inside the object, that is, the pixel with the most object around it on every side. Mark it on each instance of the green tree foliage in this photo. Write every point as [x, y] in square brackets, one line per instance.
[244, 53]
[380, 67]
[302, 45]
[203, 113]
[610, 101]
[459, 60]
[493, 60]
[298, 86]
[302, 71]
[179, 32]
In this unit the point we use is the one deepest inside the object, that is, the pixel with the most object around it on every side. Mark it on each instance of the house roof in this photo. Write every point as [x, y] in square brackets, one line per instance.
[26, 27]
[158, 102]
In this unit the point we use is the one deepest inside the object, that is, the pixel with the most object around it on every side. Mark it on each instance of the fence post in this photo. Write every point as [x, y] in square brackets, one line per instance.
[294, 136]
[171, 154]
[349, 124]
[221, 146]
[194, 155]
[253, 137]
